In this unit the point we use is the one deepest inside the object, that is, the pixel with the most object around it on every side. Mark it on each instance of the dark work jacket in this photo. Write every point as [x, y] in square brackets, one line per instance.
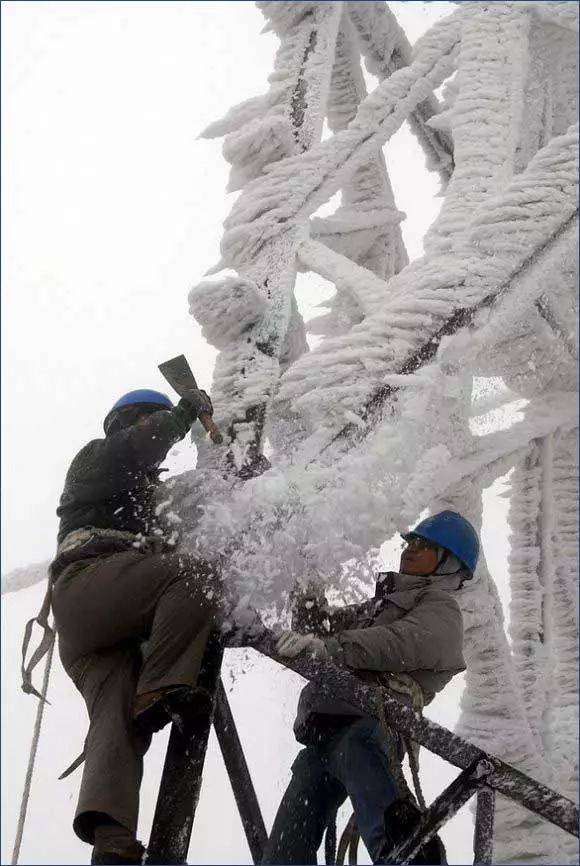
[112, 482]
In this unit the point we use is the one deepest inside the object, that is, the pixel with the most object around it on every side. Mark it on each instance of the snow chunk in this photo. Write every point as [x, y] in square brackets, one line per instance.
[264, 140]
[226, 309]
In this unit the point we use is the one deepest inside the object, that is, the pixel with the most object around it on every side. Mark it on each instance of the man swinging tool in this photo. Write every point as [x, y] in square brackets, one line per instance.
[132, 615]
[409, 639]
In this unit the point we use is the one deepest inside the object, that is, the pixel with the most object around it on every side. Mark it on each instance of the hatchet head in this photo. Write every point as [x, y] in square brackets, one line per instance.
[179, 375]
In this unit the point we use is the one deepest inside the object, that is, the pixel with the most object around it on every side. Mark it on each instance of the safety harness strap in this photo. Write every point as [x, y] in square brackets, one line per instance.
[47, 640]
[401, 686]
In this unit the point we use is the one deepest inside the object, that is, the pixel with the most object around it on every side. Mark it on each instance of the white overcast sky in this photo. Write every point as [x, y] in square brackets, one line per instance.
[112, 209]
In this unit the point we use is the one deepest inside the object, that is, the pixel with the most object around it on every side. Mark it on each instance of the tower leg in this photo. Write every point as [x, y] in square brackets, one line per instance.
[181, 780]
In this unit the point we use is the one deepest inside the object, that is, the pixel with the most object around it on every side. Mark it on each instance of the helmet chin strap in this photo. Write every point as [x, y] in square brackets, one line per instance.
[445, 558]
[441, 557]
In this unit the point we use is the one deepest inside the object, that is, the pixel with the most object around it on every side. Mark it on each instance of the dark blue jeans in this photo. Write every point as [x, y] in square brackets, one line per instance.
[353, 763]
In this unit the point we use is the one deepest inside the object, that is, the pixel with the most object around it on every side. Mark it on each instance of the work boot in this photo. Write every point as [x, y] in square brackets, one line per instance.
[116, 857]
[178, 704]
[116, 844]
[401, 818]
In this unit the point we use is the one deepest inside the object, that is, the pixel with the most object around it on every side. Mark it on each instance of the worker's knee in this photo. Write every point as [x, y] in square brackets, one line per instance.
[308, 768]
[364, 742]
[197, 579]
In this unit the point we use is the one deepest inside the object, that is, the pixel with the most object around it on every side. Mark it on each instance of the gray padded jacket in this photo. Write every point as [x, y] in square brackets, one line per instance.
[412, 626]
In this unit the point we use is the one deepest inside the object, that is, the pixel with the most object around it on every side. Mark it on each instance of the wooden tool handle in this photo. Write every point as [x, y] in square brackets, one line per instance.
[207, 423]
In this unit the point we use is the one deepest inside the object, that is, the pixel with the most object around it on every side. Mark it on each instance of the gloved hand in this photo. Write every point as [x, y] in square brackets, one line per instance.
[199, 401]
[193, 404]
[291, 644]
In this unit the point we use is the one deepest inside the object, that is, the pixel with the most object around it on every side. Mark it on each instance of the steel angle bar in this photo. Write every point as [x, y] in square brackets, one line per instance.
[182, 772]
[442, 809]
[237, 768]
[483, 831]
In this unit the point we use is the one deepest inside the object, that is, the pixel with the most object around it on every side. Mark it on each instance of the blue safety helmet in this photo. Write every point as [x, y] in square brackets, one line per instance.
[450, 530]
[145, 397]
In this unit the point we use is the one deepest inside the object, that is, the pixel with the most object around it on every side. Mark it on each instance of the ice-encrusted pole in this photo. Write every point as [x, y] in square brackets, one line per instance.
[286, 122]
[563, 740]
[493, 687]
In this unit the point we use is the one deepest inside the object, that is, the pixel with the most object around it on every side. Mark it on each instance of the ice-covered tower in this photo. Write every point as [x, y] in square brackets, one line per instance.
[377, 421]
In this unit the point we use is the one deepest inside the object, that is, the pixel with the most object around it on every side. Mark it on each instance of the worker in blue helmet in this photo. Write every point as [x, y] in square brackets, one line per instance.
[132, 614]
[408, 639]
[134, 405]
[451, 537]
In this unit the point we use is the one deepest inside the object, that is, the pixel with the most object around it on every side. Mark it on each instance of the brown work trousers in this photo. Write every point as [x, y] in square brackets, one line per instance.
[127, 624]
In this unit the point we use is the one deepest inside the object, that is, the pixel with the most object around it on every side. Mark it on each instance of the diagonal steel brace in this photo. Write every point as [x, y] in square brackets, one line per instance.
[442, 809]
